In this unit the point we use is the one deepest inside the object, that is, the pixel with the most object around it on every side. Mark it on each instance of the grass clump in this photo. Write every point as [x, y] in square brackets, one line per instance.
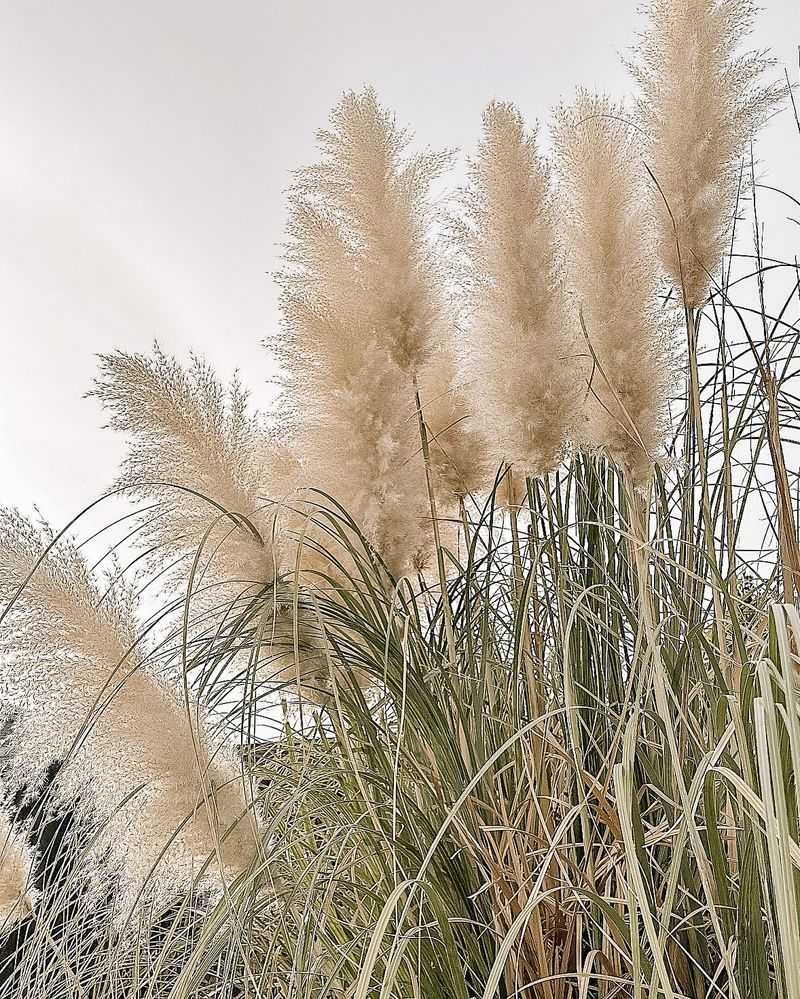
[470, 672]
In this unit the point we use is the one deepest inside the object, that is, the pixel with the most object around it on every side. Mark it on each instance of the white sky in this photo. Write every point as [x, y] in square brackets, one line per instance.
[146, 149]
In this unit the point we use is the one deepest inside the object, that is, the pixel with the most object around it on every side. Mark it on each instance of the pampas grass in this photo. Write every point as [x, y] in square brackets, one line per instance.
[363, 311]
[567, 768]
[199, 454]
[210, 475]
[17, 894]
[517, 304]
[612, 272]
[139, 756]
[700, 104]
[458, 448]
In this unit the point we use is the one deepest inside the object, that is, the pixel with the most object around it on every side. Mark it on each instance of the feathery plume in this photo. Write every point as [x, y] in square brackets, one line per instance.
[146, 764]
[457, 446]
[611, 268]
[17, 895]
[196, 450]
[362, 312]
[522, 364]
[699, 106]
[214, 470]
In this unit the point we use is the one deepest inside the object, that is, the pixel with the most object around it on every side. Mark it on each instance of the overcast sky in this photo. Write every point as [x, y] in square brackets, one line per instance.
[146, 149]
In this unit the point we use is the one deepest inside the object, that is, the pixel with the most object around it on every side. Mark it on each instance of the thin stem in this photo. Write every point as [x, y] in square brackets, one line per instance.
[692, 321]
[447, 610]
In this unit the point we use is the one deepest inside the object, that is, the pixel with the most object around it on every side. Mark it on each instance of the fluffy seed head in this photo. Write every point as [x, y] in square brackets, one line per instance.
[522, 363]
[215, 472]
[612, 271]
[16, 892]
[196, 450]
[146, 764]
[362, 312]
[699, 106]
[457, 445]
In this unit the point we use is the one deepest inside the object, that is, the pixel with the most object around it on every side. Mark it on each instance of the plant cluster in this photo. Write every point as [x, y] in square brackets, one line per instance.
[463, 673]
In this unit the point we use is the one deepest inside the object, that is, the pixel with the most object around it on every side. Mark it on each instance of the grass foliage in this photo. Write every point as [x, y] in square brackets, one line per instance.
[563, 762]
[584, 785]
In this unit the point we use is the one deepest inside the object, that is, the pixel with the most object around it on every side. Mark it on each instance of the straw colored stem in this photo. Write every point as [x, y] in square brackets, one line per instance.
[692, 320]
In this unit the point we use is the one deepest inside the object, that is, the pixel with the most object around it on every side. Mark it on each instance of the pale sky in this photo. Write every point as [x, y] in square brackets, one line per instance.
[146, 152]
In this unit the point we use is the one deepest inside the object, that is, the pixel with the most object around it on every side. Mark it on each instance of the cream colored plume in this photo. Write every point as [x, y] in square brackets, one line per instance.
[197, 451]
[523, 365]
[17, 894]
[700, 104]
[363, 312]
[144, 763]
[612, 270]
[216, 475]
[456, 442]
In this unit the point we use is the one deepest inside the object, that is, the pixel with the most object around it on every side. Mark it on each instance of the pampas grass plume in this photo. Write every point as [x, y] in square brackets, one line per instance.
[16, 863]
[612, 271]
[195, 449]
[217, 474]
[700, 104]
[457, 444]
[363, 311]
[146, 764]
[522, 365]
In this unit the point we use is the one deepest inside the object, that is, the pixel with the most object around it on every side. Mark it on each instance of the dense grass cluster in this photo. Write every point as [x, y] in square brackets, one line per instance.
[472, 674]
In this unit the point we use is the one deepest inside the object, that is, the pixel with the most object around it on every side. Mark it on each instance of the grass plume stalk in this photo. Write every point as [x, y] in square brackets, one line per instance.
[440, 566]
[700, 103]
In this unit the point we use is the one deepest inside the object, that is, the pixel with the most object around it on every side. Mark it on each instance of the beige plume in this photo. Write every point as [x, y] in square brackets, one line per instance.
[457, 445]
[217, 475]
[147, 765]
[194, 448]
[363, 311]
[17, 895]
[700, 104]
[612, 271]
[523, 364]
